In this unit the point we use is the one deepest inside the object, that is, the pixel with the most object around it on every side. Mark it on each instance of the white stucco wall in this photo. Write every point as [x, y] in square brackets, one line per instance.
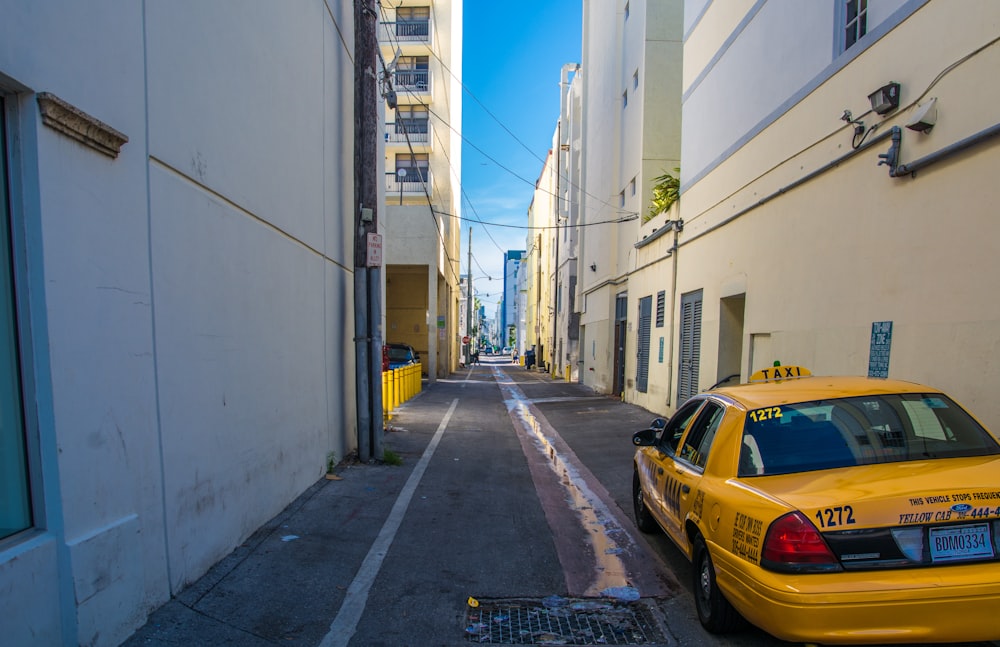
[189, 300]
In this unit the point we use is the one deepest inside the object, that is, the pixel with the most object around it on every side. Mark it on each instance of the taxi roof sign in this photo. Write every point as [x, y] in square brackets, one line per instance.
[778, 373]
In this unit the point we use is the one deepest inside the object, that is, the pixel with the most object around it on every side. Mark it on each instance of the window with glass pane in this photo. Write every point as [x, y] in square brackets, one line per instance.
[413, 72]
[416, 165]
[856, 21]
[411, 119]
[15, 500]
[413, 21]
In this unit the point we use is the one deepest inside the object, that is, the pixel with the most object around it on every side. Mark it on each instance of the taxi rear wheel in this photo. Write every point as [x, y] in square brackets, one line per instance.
[714, 611]
[643, 519]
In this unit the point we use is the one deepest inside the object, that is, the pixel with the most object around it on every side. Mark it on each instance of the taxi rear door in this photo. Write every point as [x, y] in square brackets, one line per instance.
[682, 495]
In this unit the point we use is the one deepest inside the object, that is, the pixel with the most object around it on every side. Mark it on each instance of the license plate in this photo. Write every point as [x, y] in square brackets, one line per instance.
[961, 542]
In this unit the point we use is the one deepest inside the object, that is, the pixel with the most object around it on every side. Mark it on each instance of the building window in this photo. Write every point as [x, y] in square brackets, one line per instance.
[15, 494]
[412, 167]
[625, 99]
[631, 187]
[413, 22]
[621, 199]
[855, 21]
[413, 73]
[661, 307]
[635, 80]
[412, 119]
[626, 11]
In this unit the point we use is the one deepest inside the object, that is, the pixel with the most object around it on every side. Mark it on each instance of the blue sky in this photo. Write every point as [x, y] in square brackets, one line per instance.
[513, 55]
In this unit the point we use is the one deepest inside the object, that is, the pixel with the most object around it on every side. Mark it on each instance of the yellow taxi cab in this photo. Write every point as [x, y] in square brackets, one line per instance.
[836, 510]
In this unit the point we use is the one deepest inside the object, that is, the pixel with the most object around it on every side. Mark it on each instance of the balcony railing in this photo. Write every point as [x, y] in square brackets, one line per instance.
[413, 182]
[406, 31]
[417, 131]
[412, 80]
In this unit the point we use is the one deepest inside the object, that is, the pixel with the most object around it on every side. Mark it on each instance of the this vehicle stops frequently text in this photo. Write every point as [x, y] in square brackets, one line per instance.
[836, 510]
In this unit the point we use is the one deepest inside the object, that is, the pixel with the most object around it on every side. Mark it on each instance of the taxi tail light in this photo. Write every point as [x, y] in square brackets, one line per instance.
[794, 544]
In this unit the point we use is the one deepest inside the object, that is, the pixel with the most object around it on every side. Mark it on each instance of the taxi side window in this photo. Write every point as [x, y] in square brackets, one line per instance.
[699, 439]
[677, 425]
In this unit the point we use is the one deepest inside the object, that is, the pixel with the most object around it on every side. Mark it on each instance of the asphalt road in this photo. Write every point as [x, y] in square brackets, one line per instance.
[509, 521]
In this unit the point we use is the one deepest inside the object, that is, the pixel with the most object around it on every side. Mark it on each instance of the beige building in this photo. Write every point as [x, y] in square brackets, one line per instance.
[835, 184]
[838, 194]
[421, 46]
[537, 264]
[630, 135]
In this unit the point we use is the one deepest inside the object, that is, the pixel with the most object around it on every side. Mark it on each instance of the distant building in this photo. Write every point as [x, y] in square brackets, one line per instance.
[508, 310]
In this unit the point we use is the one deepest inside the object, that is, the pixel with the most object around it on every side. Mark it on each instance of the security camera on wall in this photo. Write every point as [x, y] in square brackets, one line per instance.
[924, 117]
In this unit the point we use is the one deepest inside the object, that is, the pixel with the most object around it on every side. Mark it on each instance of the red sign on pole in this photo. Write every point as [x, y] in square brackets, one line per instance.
[465, 340]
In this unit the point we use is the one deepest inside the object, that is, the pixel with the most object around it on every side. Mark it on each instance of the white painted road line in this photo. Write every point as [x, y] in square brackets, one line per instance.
[346, 623]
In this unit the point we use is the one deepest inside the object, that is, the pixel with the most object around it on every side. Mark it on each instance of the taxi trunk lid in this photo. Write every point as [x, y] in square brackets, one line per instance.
[900, 514]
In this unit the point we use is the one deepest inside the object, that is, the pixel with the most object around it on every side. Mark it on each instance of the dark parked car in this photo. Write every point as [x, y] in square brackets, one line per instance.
[401, 355]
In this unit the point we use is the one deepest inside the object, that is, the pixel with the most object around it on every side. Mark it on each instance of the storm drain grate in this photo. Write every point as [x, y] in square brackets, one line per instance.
[561, 621]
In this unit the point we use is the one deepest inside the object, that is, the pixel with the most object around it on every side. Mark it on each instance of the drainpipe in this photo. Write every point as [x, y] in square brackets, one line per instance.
[677, 226]
[891, 157]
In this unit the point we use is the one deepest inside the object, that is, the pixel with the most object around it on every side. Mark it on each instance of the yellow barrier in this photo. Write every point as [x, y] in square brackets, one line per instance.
[398, 386]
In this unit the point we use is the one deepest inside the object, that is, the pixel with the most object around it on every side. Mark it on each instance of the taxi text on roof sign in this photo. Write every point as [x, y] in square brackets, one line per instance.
[778, 373]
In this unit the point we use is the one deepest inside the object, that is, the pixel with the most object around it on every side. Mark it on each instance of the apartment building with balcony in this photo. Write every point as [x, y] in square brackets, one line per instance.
[176, 312]
[421, 46]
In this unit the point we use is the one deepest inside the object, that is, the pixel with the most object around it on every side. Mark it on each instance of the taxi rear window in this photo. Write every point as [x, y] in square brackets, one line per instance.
[859, 430]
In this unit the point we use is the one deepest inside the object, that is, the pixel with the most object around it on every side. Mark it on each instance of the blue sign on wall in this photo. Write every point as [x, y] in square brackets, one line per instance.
[878, 355]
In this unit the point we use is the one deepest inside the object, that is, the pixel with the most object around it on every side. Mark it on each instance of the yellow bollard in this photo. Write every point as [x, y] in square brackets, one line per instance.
[394, 388]
[568, 375]
[386, 411]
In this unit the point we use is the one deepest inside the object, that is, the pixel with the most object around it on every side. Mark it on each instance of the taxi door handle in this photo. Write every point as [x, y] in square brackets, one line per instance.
[659, 471]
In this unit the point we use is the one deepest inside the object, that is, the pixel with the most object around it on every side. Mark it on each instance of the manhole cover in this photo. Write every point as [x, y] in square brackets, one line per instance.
[561, 621]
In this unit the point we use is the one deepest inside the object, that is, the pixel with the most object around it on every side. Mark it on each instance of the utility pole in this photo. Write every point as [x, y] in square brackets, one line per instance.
[367, 273]
[468, 306]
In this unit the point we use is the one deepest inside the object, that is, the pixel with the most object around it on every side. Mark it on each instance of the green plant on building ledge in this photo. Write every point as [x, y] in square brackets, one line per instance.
[666, 191]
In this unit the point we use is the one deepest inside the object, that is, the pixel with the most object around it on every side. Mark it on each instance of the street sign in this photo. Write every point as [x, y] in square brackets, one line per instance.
[374, 250]
[465, 340]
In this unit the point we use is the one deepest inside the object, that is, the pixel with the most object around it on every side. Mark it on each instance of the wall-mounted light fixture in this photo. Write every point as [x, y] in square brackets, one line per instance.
[593, 267]
[885, 99]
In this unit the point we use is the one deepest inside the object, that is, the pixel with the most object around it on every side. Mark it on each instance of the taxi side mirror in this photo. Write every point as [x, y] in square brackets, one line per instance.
[645, 438]
[658, 424]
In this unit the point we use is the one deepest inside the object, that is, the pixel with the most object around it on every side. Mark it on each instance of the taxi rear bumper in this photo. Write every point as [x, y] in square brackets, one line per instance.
[956, 603]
